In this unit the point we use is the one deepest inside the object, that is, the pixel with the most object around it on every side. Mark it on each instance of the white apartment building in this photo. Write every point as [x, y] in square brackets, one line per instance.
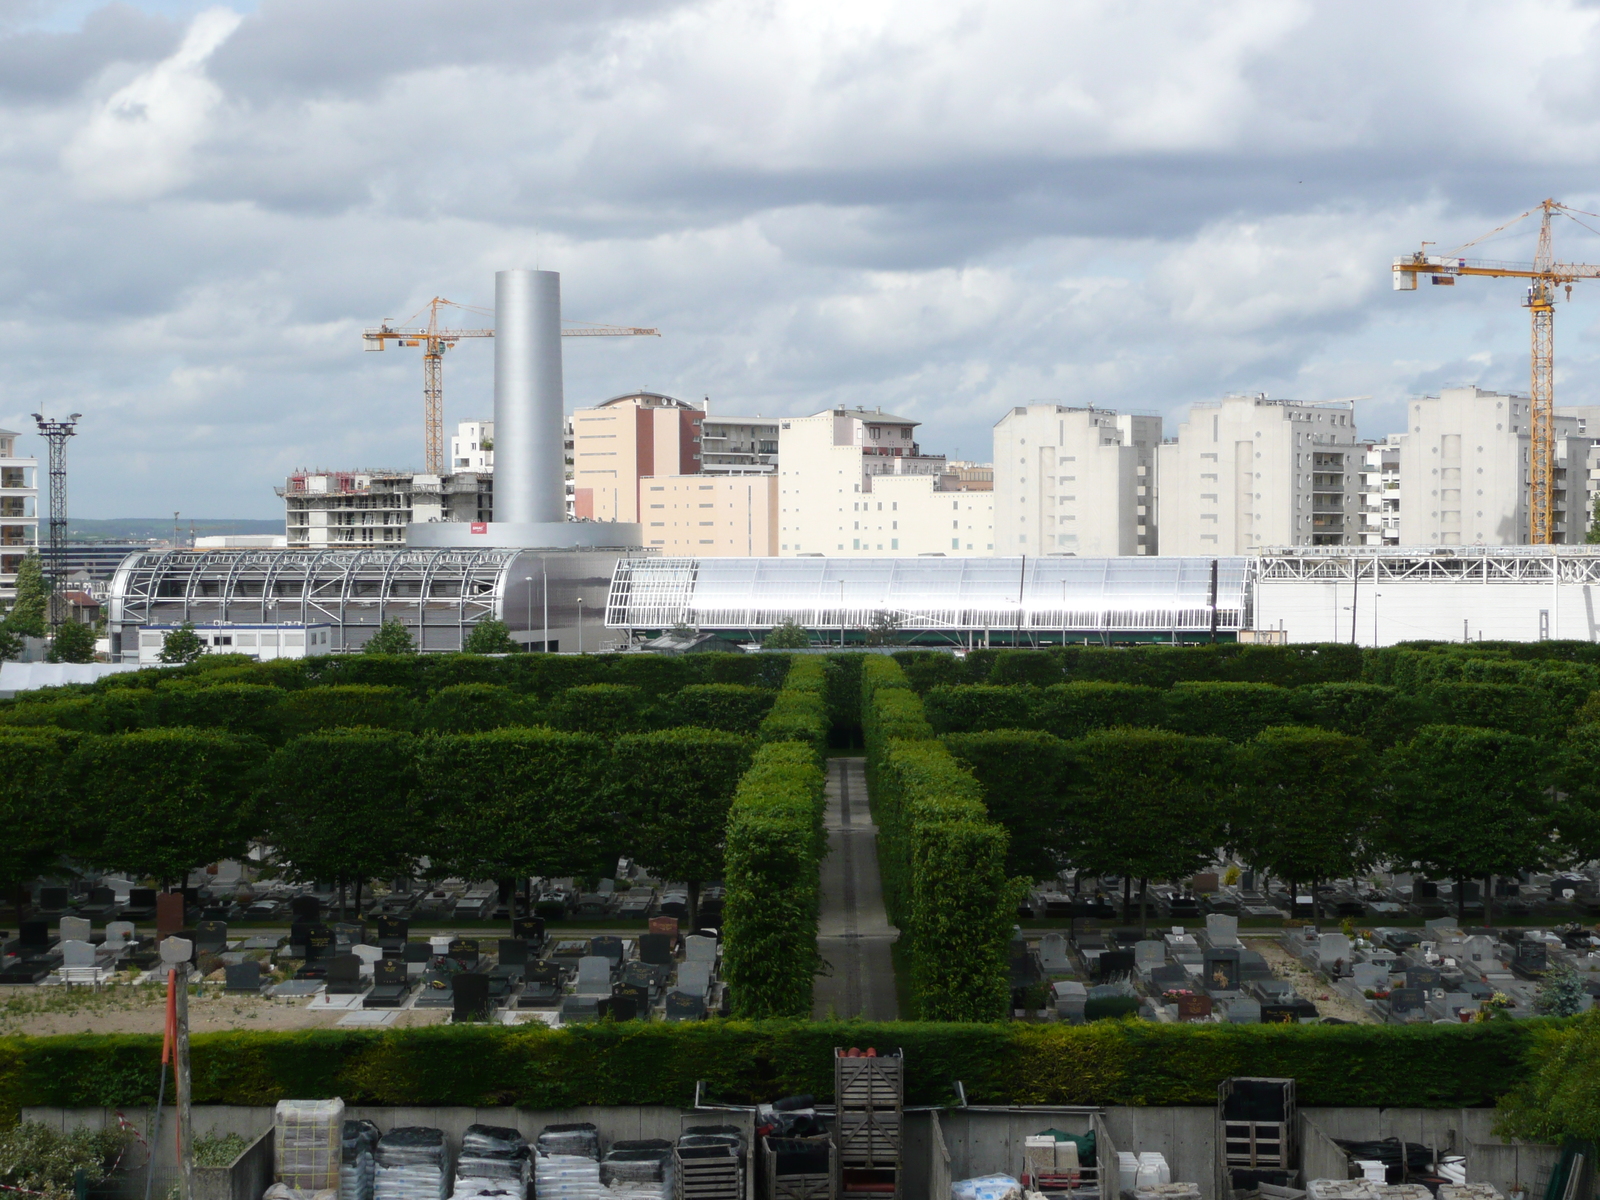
[1246, 472]
[19, 510]
[1380, 494]
[855, 482]
[1464, 470]
[472, 446]
[373, 508]
[1075, 481]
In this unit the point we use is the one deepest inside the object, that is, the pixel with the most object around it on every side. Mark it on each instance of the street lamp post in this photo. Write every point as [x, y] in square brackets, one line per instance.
[580, 624]
[841, 614]
[528, 579]
[545, 575]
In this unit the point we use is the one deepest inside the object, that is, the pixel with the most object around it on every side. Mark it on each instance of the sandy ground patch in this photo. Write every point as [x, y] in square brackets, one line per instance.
[1315, 989]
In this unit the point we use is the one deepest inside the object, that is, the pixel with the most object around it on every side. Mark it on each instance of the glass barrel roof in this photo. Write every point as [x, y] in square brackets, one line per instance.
[1077, 594]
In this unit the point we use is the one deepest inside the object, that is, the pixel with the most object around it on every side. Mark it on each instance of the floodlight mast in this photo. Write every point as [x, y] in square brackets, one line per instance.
[55, 433]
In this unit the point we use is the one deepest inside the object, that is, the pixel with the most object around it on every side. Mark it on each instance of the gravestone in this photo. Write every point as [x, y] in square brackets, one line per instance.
[655, 948]
[665, 925]
[643, 974]
[465, 952]
[1407, 1000]
[243, 977]
[529, 929]
[1113, 964]
[1053, 955]
[1480, 951]
[684, 1007]
[635, 1000]
[33, 937]
[142, 901]
[1247, 881]
[211, 937]
[542, 971]
[416, 952]
[319, 943]
[513, 952]
[389, 971]
[1425, 889]
[306, 908]
[1194, 1008]
[370, 956]
[54, 899]
[1425, 978]
[1243, 1011]
[75, 953]
[75, 929]
[1148, 955]
[1222, 929]
[608, 947]
[1205, 881]
[694, 978]
[1532, 956]
[1333, 948]
[102, 897]
[470, 998]
[1220, 971]
[1253, 966]
[298, 932]
[1279, 1014]
[393, 931]
[619, 1008]
[350, 933]
[176, 951]
[675, 904]
[1369, 975]
[579, 1008]
[344, 975]
[169, 913]
[594, 976]
[699, 949]
[120, 935]
[1169, 977]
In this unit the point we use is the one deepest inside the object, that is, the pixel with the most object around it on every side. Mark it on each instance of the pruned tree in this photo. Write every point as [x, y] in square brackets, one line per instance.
[182, 645]
[791, 635]
[29, 611]
[489, 637]
[392, 638]
[73, 643]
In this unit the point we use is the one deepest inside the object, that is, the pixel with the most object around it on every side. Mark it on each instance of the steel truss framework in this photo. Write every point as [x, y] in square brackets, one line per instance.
[1498, 564]
[438, 594]
[1030, 596]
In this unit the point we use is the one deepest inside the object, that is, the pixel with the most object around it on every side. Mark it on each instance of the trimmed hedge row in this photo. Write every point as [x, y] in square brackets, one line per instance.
[942, 860]
[1107, 1062]
[800, 711]
[1150, 666]
[279, 714]
[774, 850]
[1238, 711]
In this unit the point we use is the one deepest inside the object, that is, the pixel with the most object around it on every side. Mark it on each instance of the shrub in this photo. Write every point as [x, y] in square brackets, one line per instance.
[237, 707]
[606, 709]
[1070, 710]
[973, 708]
[1024, 778]
[1516, 708]
[1381, 715]
[1038, 667]
[345, 706]
[926, 669]
[731, 707]
[775, 846]
[470, 707]
[1231, 710]
[800, 711]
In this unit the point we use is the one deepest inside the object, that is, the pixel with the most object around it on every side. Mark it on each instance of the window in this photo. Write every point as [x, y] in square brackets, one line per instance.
[955, 543]
[894, 543]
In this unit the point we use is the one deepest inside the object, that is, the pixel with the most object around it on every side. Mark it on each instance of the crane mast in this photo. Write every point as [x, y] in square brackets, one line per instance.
[1544, 276]
[435, 339]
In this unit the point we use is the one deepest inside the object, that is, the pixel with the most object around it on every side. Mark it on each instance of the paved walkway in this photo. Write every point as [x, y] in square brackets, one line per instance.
[854, 934]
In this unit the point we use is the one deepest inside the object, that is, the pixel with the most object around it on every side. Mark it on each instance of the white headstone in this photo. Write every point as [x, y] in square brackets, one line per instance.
[1068, 987]
[1222, 929]
[1479, 949]
[694, 978]
[1332, 948]
[699, 949]
[1053, 954]
[594, 975]
[1369, 975]
[368, 955]
[76, 954]
[176, 950]
[1149, 954]
[440, 945]
[75, 929]
[120, 933]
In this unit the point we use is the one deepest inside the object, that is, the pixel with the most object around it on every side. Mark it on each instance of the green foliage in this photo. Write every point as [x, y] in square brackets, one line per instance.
[38, 804]
[1306, 806]
[368, 669]
[1511, 707]
[731, 707]
[345, 706]
[512, 803]
[800, 711]
[238, 707]
[181, 645]
[606, 709]
[973, 708]
[1576, 813]
[775, 847]
[167, 801]
[1040, 668]
[472, 707]
[36, 1159]
[392, 638]
[489, 637]
[1235, 711]
[1561, 992]
[1467, 803]
[73, 643]
[671, 791]
[342, 804]
[1381, 715]
[788, 636]
[925, 669]
[29, 611]
[1557, 1094]
[10, 642]
[1070, 710]
[1024, 778]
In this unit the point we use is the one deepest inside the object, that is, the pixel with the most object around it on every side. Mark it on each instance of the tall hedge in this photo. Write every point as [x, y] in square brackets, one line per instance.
[943, 861]
[973, 708]
[800, 711]
[633, 1062]
[238, 707]
[730, 707]
[472, 707]
[607, 709]
[1024, 775]
[775, 847]
[347, 706]
[1235, 711]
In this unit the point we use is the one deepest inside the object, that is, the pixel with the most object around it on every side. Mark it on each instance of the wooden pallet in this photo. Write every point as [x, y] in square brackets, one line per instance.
[868, 1083]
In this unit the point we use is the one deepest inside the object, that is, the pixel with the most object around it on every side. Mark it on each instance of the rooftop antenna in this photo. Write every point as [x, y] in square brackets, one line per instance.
[56, 433]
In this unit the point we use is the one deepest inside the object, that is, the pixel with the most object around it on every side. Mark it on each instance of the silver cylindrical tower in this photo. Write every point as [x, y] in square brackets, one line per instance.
[529, 461]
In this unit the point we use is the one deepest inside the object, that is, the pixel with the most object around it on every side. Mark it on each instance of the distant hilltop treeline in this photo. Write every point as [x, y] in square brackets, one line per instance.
[140, 529]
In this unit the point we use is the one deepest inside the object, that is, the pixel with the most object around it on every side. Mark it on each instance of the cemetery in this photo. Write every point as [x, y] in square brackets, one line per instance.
[533, 894]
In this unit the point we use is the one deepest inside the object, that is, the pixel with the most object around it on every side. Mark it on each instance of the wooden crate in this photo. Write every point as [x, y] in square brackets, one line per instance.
[797, 1187]
[868, 1083]
[709, 1176]
[869, 1139]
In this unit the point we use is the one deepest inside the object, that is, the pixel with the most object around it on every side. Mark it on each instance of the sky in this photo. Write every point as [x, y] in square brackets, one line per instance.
[938, 207]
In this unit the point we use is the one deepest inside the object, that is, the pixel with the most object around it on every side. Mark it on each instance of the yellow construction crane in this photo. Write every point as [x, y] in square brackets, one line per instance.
[435, 339]
[1546, 275]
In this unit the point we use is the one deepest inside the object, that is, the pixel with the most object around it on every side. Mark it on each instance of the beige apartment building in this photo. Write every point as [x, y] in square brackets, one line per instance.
[1075, 481]
[1246, 473]
[723, 516]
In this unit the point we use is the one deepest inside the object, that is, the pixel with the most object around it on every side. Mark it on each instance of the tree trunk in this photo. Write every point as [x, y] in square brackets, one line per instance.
[1144, 887]
[359, 882]
[1127, 899]
[1316, 903]
[1488, 901]
[1461, 901]
[694, 905]
[341, 898]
